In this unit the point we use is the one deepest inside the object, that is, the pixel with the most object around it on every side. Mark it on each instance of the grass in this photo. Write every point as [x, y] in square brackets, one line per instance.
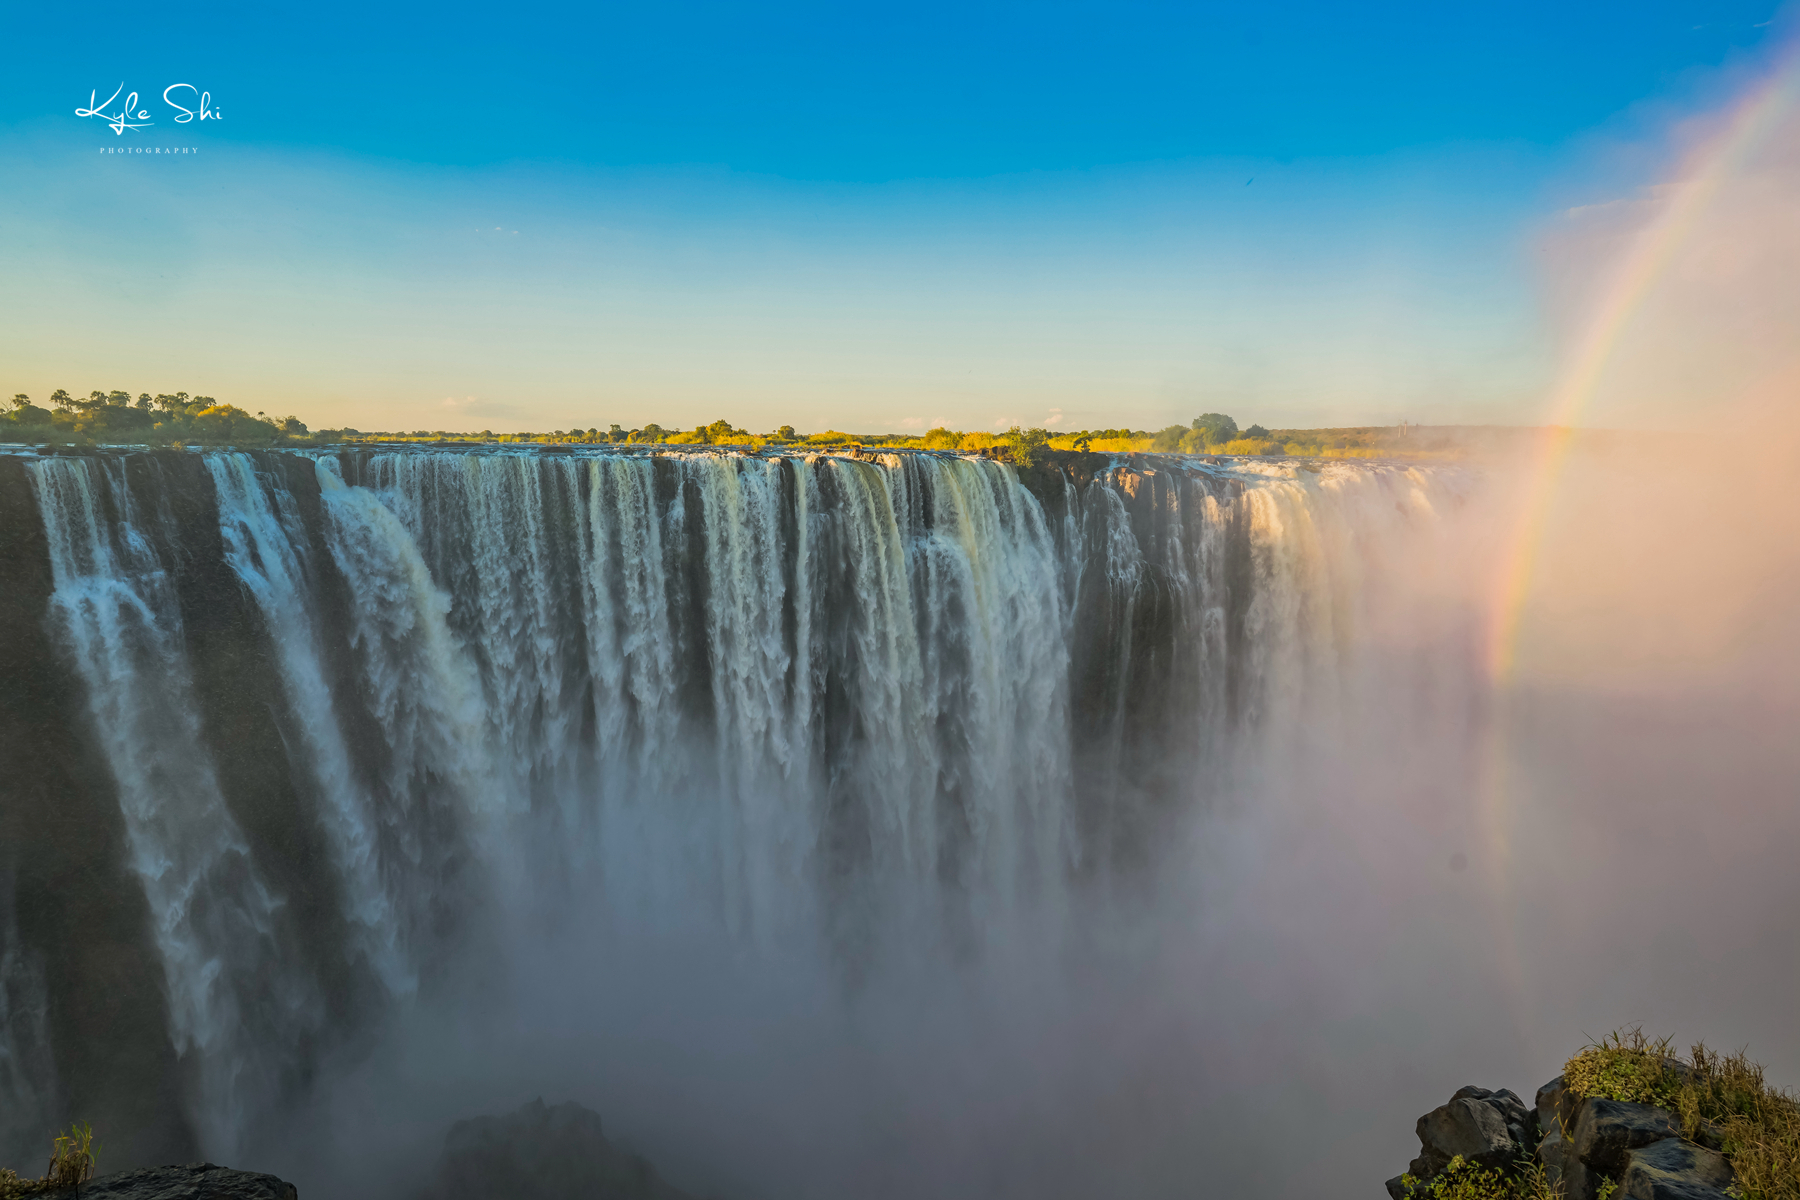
[1722, 1099]
[71, 1165]
[1627, 1066]
[1463, 1180]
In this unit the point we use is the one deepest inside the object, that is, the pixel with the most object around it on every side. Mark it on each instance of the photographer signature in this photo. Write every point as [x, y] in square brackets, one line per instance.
[130, 116]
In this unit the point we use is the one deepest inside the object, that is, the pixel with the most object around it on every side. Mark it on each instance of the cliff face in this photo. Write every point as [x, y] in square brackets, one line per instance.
[82, 1006]
[272, 724]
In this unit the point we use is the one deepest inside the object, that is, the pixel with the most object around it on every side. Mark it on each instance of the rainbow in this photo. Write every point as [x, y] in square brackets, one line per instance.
[1636, 278]
[1716, 160]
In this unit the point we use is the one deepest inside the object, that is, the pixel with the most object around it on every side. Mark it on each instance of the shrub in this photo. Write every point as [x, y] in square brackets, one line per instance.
[1757, 1126]
[1460, 1180]
[1722, 1100]
[1626, 1066]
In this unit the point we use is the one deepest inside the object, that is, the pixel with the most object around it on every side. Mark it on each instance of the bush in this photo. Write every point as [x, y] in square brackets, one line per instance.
[1625, 1066]
[1722, 1099]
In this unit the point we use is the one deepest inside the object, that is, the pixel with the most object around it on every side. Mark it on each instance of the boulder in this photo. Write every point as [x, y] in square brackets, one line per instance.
[1492, 1130]
[1672, 1169]
[1605, 1131]
[544, 1152]
[1521, 1122]
[195, 1181]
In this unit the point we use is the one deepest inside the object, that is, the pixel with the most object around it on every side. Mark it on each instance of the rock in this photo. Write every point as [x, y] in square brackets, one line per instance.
[1550, 1153]
[1549, 1106]
[1674, 1170]
[1521, 1122]
[1606, 1130]
[545, 1153]
[1490, 1129]
[195, 1181]
[1580, 1181]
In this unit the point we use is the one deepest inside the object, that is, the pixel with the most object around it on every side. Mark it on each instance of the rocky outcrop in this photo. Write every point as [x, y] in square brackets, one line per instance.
[1493, 1130]
[195, 1181]
[545, 1152]
[1581, 1142]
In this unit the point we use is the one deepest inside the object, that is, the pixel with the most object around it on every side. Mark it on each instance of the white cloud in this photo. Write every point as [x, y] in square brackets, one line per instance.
[1054, 419]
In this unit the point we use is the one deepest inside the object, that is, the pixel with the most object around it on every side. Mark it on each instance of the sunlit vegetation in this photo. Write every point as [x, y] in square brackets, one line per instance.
[117, 417]
[1722, 1099]
[161, 420]
[71, 1165]
[1464, 1180]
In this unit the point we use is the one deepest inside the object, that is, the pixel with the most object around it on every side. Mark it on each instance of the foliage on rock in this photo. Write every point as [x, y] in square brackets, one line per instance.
[1722, 1099]
[1626, 1066]
[1464, 1180]
[1726, 1099]
[71, 1164]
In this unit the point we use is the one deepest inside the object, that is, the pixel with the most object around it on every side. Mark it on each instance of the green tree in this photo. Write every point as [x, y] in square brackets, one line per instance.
[1256, 431]
[62, 399]
[1168, 441]
[1216, 428]
[786, 433]
[21, 401]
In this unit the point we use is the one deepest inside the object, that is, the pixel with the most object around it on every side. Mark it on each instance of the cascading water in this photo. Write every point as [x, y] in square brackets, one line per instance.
[351, 703]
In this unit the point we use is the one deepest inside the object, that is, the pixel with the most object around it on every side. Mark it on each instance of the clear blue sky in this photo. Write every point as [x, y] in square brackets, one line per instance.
[853, 215]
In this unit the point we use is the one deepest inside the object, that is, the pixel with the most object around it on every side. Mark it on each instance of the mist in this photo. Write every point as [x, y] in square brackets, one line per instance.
[1167, 828]
[1414, 874]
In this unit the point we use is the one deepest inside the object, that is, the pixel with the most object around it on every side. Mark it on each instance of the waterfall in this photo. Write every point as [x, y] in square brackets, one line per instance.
[234, 1004]
[806, 698]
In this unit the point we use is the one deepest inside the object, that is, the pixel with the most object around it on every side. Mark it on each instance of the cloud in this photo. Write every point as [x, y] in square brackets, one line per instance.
[911, 422]
[1054, 419]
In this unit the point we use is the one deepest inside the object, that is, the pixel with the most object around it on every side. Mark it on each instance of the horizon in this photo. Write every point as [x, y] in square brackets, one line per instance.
[834, 221]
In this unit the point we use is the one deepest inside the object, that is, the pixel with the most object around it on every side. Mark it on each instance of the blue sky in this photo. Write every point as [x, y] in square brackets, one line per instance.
[851, 216]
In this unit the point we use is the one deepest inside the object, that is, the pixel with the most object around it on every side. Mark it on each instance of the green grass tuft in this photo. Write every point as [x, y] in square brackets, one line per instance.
[71, 1164]
[1722, 1099]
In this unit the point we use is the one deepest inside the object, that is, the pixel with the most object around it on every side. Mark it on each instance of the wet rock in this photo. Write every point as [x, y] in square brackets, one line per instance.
[1605, 1131]
[1674, 1170]
[195, 1181]
[543, 1152]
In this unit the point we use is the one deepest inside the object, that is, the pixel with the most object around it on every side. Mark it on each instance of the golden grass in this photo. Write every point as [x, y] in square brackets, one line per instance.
[1723, 1101]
